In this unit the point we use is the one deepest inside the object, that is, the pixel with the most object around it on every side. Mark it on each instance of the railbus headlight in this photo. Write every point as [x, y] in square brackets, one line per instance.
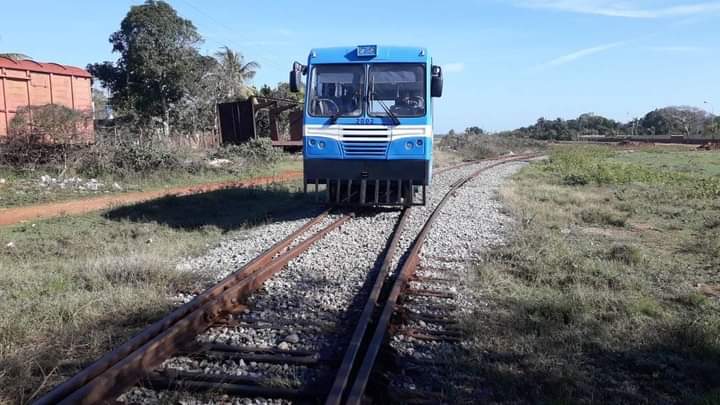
[408, 145]
[321, 145]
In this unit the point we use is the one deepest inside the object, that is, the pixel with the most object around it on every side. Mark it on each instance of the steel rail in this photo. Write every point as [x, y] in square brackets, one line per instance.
[100, 379]
[457, 166]
[131, 369]
[407, 269]
[128, 363]
[474, 162]
[339, 386]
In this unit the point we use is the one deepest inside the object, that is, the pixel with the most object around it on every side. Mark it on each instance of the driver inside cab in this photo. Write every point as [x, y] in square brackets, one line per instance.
[408, 105]
[349, 102]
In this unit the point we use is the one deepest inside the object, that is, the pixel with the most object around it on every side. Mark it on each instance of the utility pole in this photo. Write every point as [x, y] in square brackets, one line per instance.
[712, 109]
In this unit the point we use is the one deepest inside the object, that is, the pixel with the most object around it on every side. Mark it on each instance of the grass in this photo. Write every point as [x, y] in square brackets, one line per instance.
[445, 157]
[72, 288]
[677, 160]
[23, 188]
[596, 298]
[475, 147]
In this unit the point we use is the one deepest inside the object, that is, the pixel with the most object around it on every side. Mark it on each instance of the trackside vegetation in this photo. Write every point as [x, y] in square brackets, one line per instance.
[130, 167]
[609, 289]
[72, 288]
[477, 145]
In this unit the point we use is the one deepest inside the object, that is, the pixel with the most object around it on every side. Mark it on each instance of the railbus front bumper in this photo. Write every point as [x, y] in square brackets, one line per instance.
[369, 182]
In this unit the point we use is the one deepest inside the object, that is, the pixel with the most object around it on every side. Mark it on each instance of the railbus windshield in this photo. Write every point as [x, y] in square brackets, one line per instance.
[337, 90]
[340, 90]
[397, 88]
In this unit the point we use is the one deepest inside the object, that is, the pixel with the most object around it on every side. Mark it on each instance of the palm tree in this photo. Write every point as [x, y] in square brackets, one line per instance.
[234, 71]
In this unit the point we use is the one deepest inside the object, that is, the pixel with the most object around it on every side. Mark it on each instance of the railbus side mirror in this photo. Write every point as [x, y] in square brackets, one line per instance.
[296, 76]
[436, 83]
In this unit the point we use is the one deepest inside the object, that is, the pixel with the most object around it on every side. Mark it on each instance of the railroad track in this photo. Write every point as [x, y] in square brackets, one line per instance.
[207, 345]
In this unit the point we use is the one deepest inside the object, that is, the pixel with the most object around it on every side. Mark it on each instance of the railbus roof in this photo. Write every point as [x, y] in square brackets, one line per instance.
[349, 54]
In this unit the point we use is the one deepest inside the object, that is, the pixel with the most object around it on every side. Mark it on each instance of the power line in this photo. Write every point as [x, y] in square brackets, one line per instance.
[199, 10]
[268, 61]
[226, 28]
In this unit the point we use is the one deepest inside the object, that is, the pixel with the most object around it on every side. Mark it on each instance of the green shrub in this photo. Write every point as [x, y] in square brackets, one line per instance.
[545, 309]
[575, 180]
[644, 305]
[125, 159]
[43, 135]
[602, 216]
[257, 151]
[143, 158]
[476, 146]
[595, 165]
[95, 161]
[626, 254]
[694, 299]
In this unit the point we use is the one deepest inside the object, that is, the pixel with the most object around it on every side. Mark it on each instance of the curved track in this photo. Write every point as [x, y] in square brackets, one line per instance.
[201, 346]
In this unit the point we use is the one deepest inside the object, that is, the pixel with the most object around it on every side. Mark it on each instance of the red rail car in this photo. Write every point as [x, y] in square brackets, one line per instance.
[26, 83]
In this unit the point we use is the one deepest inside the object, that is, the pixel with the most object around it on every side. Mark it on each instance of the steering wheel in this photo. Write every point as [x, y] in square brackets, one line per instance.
[322, 102]
[415, 101]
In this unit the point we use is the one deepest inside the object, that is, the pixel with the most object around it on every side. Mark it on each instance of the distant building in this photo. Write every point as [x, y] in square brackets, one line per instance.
[26, 83]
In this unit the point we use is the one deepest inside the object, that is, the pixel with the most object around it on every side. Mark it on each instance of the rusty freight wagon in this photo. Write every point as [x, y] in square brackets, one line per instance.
[26, 83]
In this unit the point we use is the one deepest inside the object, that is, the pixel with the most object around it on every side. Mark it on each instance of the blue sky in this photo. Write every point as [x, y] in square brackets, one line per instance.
[507, 62]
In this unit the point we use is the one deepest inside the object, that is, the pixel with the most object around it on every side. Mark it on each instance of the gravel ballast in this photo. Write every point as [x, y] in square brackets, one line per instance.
[470, 223]
[312, 303]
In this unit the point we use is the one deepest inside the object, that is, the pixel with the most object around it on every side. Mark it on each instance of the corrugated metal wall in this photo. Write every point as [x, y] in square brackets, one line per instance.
[28, 83]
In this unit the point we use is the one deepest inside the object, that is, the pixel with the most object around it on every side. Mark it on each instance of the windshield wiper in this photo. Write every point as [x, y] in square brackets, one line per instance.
[389, 113]
[335, 116]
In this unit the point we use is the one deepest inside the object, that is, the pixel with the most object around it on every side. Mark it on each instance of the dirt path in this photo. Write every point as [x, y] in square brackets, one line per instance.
[10, 216]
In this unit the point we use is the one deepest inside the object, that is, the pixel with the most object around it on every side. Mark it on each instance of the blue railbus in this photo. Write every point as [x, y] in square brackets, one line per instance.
[367, 125]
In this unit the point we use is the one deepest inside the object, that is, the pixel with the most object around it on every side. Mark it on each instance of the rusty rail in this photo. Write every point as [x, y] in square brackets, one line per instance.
[125, 365]
[407, 270]
[133, 361]
[346, 366]
[456, 166]
[464, 163]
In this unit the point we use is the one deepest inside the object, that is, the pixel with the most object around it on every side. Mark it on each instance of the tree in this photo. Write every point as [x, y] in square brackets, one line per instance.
[158, 62]
[683, 120]
[100, 104]
[233, 73]
[281, 91]
[195, 112]
[592, 124]
[689, 121]
[474, 130]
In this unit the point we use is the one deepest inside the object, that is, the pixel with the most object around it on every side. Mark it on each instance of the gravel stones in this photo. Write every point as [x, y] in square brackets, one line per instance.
[308, 306]
[471, 221]
[313, 303]
[236, 251]
[316, 289]
[75, 183]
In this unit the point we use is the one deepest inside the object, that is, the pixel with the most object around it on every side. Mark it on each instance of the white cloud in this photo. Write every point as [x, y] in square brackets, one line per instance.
[627, 9]
[579, 55]
[453, 67]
